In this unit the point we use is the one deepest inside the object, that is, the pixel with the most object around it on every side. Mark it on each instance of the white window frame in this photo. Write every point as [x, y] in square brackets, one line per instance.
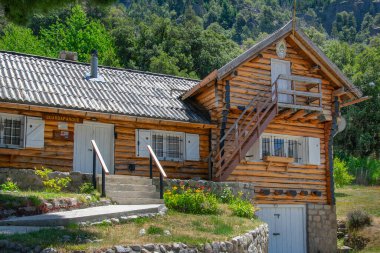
[22, 118]
[286, 138]
[165, 135]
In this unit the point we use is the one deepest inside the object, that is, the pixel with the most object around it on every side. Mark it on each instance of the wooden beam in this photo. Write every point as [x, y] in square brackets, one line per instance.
[284, 113]
[296, 115]
[298, 107]
[339, 92]
[301, 93]
[352, 102]
[302, 79]
[310, 116]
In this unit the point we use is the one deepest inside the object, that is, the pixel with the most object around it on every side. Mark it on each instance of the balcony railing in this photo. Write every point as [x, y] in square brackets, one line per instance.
[299, 92]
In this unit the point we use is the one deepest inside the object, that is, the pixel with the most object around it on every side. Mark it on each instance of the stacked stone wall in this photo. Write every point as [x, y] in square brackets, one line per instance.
[27, 179]
[321, 228]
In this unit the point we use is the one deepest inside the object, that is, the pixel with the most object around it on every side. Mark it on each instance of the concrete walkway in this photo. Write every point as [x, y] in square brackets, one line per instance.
[10, 230]
[91, 214]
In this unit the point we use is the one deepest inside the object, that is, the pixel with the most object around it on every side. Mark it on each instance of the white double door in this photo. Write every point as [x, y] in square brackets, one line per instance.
[280, 67]
[287, 227]
[103, 134]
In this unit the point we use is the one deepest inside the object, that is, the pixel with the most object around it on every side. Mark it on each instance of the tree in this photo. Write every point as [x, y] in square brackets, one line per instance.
[78, 33]
[20, 39]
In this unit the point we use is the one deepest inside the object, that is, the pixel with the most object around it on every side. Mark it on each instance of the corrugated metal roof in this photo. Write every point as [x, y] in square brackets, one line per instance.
[44, 81]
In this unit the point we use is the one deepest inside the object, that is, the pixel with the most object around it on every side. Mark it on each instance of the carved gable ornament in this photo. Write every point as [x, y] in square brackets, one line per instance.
[281, 49]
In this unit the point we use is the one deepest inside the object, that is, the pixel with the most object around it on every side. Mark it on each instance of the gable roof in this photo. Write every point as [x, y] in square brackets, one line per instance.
[268, 41]
[44, 81]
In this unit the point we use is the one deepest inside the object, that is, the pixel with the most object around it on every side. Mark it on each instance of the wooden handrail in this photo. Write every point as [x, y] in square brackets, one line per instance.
[162, 172]
[100, 157]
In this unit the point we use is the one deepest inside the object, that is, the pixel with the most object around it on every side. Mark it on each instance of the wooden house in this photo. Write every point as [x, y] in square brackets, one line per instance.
[267, 117]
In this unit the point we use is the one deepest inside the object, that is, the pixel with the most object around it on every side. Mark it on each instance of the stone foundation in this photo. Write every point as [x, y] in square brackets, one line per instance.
[321, 228]
[26, 179]
[246, 189]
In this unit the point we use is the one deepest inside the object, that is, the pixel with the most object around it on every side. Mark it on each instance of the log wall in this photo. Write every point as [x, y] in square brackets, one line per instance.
[58, 154]
[254, 77]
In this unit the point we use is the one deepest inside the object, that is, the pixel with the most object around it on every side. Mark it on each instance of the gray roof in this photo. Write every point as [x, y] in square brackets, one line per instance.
[57, 83]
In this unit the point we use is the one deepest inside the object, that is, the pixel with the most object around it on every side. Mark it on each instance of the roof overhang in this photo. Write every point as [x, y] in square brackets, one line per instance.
[301, 39]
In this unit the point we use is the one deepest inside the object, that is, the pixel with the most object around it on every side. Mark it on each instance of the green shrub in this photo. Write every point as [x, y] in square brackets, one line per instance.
[341, 175]
[195, 201]
[358, 219]
[86, 188]
[242, 208]
[366, 169]
[227, 195]
[52, 184]
[9, 185]
[153, 230]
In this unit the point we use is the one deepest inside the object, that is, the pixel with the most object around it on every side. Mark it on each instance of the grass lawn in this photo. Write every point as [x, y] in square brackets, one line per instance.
[364, 198]
[186, 228]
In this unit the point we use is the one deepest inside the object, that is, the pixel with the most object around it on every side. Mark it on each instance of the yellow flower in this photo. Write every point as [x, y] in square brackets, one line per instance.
[175, 188]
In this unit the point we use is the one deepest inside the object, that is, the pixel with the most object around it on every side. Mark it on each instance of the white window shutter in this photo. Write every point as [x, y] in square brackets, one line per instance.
[192, 147]
[35, 128]
[143, 138]
[314, 150]
[254, 153]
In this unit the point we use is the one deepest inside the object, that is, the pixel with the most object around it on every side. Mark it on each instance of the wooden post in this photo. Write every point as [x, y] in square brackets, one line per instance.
[150, 166]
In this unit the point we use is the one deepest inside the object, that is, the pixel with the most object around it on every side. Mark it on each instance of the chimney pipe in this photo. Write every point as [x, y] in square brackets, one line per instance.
[94, 64]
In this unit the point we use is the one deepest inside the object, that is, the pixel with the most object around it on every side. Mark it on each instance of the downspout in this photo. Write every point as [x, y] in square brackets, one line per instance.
[225, 112]
[334, 129]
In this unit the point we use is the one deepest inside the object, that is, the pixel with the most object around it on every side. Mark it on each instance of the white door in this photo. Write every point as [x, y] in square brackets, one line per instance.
[287, 227]
[104, 138]
[279, 67]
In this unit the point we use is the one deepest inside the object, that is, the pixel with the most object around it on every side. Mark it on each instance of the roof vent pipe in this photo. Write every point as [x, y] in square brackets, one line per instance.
[94, 64]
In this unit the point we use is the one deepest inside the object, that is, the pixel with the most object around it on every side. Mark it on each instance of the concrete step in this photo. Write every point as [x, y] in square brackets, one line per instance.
[114, 195]
[139, 201]
[125, 180]
[91, 214]
[129, 187]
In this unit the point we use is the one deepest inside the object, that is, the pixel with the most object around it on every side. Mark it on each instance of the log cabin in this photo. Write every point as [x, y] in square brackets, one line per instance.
[267, 117]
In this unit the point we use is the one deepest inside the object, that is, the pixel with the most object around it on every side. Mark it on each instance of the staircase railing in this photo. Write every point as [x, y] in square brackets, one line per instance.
[96, 153]
[153, 157]
[249, 121]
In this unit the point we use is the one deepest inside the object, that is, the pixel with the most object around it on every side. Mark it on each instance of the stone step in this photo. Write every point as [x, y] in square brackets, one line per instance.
[115, 195]
[139, 201]
[129, 187]
[125, 180]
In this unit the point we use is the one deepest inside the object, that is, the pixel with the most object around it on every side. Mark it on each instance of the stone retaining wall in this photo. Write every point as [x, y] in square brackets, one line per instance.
[247, 189]
[26, 179]
[321, 228]
[255, 241]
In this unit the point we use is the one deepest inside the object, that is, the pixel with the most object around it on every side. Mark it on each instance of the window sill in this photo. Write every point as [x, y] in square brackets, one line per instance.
[278, 159]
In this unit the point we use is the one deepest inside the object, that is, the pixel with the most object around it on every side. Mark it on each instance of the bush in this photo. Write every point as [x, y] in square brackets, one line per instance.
[86, 188]
[242, 208]
[153, 230]
[227, 195]
[196, 201]
[9, 185]
[358, 219]
[54, 184]
[341, 175]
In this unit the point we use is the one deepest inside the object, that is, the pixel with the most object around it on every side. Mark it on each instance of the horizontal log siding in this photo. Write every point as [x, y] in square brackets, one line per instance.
[58, 154]
[253, 77]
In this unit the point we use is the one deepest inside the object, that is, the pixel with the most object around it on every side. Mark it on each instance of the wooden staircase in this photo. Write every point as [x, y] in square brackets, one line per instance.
[244, 132]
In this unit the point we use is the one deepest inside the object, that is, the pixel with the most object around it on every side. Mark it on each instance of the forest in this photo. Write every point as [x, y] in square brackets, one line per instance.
[190, 38]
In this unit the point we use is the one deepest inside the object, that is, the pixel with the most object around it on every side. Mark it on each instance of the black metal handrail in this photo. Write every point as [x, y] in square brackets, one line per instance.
[96, 153]
[153, 157]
